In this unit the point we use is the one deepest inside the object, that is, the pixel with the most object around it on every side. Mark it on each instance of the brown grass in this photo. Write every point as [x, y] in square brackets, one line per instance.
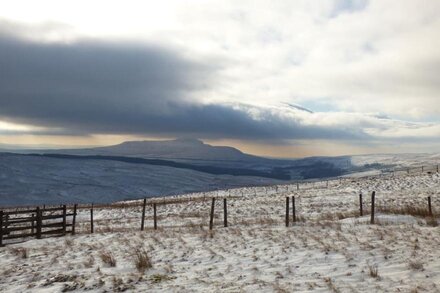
[373, 271]
[108, 258]
[415, 265]
[142, 261]
[411, 210]
[331, 285]
[20, 252]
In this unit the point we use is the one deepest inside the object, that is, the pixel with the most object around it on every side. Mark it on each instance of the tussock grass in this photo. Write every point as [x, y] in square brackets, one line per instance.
[331, 285]
[68, 242]
[415, 265]
[142, 261]
[20, 252]
[373, 271]
[89, 262]
[108, 258]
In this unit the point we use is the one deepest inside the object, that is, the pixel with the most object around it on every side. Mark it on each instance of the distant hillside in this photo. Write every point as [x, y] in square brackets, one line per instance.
[175, 149]
[178, 150]
[27, 179]
[214, 170]
[195, 155]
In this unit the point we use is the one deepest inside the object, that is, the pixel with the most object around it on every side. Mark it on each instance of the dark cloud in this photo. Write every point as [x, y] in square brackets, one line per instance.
[102, 87]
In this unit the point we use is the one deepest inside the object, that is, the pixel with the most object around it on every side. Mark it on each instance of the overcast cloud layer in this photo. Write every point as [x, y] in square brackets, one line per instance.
[98, 87]
[367, 70]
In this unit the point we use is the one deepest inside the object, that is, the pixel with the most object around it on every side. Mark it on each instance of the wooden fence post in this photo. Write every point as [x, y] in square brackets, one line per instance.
[225, 213]
[293, 209]
[429, 206]
[6, 225]
[92, 230]
[64, 219]
[39, 222]
[211, 219]
[297, 186]
[422, 168]
[143, 214]
[437, 168]
[373, 195]
[155, 216]
[33, 224]
[287, 211]
[360, 205]
[1, 228]
[74, 219]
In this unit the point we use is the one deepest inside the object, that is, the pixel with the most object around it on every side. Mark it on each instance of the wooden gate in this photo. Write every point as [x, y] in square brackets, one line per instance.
[38, 222]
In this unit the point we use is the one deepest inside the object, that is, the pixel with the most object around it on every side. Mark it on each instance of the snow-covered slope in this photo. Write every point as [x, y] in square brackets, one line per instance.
[330, 248]
[27, 180]
[397, 160]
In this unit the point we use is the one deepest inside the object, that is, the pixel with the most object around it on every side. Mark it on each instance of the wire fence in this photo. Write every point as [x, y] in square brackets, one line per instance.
[295, 202]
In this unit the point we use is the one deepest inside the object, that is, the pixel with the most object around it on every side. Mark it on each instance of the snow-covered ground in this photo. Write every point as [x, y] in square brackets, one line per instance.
[38, 181]
[27, 180]
[330, 248]
[398, 160]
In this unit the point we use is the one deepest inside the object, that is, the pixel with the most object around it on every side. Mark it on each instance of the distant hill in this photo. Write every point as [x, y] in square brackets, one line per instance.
[192, 149]
[143, 168]
[194, 154]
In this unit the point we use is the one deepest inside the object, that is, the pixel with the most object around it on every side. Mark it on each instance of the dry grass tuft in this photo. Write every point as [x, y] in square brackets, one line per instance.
[68, 242]
[415, 265]
[331, 285]
[108, 258]
[142, 261]
[21, 252]
[158, 278]
[373, 271]
[89, 262]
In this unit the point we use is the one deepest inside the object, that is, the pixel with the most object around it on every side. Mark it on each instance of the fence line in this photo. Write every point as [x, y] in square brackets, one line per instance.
[36, 222]
[9, 227]
[289, 187]
[53, 221]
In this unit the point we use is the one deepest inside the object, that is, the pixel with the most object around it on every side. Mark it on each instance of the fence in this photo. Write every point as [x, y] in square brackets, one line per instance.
[37, 223]
[203, 208]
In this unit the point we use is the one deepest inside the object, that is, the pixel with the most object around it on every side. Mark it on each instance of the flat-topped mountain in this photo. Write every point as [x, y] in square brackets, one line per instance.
[182, 148]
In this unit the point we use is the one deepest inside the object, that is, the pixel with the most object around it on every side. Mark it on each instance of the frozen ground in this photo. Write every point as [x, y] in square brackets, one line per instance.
[27, 180]
[398, 160]
[38, 181]
[329, 249]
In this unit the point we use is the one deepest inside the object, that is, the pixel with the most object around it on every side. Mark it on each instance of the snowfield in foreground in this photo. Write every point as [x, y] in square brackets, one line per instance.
[329, 249]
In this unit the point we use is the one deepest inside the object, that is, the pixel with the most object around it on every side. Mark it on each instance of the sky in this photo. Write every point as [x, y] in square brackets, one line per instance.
[273, 78]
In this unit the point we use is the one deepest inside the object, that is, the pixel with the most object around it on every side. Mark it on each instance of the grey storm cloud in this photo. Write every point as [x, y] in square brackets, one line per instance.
[111, 88]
